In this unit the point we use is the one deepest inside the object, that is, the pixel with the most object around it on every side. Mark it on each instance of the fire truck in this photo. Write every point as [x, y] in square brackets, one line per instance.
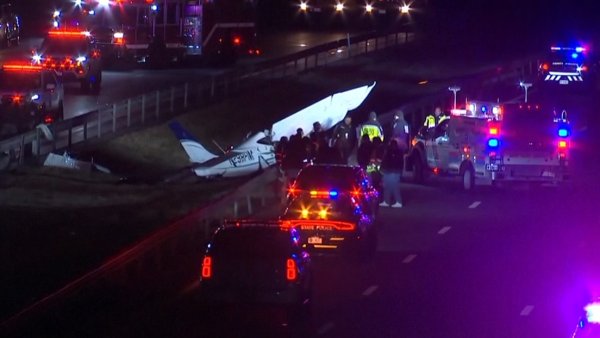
[491, 143]
[165, 31]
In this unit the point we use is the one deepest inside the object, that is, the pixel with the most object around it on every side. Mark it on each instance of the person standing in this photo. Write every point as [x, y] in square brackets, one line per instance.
[372, 128]
[400, 131]
[363, 154]
[391, 167]
[343, 139]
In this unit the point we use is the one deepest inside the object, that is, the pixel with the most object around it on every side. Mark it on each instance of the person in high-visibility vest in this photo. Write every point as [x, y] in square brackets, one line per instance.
[372, 128]
[432, 120]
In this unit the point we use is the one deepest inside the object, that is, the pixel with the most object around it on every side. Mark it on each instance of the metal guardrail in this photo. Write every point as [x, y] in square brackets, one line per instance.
[150, 108]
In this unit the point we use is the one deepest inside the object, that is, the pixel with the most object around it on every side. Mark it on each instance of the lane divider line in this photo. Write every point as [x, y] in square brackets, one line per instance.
[325, 328]
[474, 204]
[444, 230]
[369, 291]
[409, 258]
[527, 310]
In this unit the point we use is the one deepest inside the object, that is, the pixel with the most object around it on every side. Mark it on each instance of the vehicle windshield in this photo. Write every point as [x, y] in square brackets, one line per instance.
[19, 80]
[65, 46]
[327, 177]
[252, 241]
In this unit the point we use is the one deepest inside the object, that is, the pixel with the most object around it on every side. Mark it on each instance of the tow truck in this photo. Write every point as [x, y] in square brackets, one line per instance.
[501, 143]
[167, 31]
[29, 95]
[73, 56]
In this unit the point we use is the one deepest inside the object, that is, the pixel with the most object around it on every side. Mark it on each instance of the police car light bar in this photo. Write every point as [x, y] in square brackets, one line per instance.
[21, 68]
[563, 132]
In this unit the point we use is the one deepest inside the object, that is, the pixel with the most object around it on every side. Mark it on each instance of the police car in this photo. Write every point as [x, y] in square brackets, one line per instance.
[328, 220]
[257, 262]
[565, 65]
[344, 179]
[29, 95]
[501, 143]
[74, 57]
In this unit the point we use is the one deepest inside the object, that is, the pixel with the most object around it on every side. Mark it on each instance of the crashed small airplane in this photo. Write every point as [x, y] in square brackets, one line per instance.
[257, 151]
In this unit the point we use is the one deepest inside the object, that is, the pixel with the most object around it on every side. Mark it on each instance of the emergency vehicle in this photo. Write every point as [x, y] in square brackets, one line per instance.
[73, 56]
[498, 143]
[565, 65]
[29, 95]
[163, 31]
[10, 27]
[589, 324]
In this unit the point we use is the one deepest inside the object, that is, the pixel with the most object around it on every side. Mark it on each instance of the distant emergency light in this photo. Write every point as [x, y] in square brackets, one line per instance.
[319, 193]
[574, 55]
[494, 131]
[592, 313]
[303, 6]
[562, 144]
[21, 68]
[68, 33]
[563, 132]
[493, 143]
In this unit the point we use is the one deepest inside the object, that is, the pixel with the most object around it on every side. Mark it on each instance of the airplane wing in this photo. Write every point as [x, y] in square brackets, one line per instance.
[328, 111]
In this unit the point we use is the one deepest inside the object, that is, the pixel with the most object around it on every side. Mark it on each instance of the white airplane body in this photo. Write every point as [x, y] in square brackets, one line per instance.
[257, 152]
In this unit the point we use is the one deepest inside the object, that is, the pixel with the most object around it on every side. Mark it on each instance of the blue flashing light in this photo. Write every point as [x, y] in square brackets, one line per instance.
[333, 193]
[154, 7]
[493, 143]
[484, 109]
[563, 132]
[574, 55]
[579, 49]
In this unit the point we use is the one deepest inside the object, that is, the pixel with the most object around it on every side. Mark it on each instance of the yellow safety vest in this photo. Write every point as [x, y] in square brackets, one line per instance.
[429, 121]
[371, 130]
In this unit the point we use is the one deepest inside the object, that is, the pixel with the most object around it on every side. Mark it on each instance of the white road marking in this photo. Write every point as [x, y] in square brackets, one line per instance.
[527, 310]
[474, 205]
[369, 291]
[409, 258]
[444, 230]
[325, 328]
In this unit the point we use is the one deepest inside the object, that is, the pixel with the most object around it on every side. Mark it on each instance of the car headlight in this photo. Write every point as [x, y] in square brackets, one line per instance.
[35, 97]
[81, 59]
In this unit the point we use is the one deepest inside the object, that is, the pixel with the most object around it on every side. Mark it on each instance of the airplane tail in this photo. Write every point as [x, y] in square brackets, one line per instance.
[196, 152]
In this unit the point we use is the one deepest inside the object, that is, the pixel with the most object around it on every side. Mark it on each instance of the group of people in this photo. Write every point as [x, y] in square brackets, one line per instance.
[381, 156]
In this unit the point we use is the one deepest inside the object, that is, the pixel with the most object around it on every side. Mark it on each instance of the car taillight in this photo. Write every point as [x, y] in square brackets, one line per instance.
[291, 270]
[48, 119]
[237, 41]
[207, 267]
[545, 66]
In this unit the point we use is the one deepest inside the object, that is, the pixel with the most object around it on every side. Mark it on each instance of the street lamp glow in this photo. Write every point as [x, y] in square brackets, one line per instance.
[404, 9]
[339, 7]
[369, 8]
[303, 6]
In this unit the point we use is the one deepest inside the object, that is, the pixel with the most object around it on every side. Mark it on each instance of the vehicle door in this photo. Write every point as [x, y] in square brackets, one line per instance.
[441, 145]
[430, 150]
[50, 90]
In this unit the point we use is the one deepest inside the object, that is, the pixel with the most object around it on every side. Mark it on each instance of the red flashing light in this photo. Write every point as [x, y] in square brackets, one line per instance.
[337, 225]
[48, 119]
[21, 68]
[291, 270]
[545, 66]
[207, 267]
[237, 40]
[584, 68]
[257, 52]
[69, 34]
[436, 171]
[149, 2]
[17, 99]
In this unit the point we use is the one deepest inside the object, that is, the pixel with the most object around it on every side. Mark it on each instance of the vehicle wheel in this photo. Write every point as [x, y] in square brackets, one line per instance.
[468, 178]
[418, 169]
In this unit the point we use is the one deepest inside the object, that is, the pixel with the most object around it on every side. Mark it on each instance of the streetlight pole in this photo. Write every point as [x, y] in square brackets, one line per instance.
[454, 89]
[525, 85]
